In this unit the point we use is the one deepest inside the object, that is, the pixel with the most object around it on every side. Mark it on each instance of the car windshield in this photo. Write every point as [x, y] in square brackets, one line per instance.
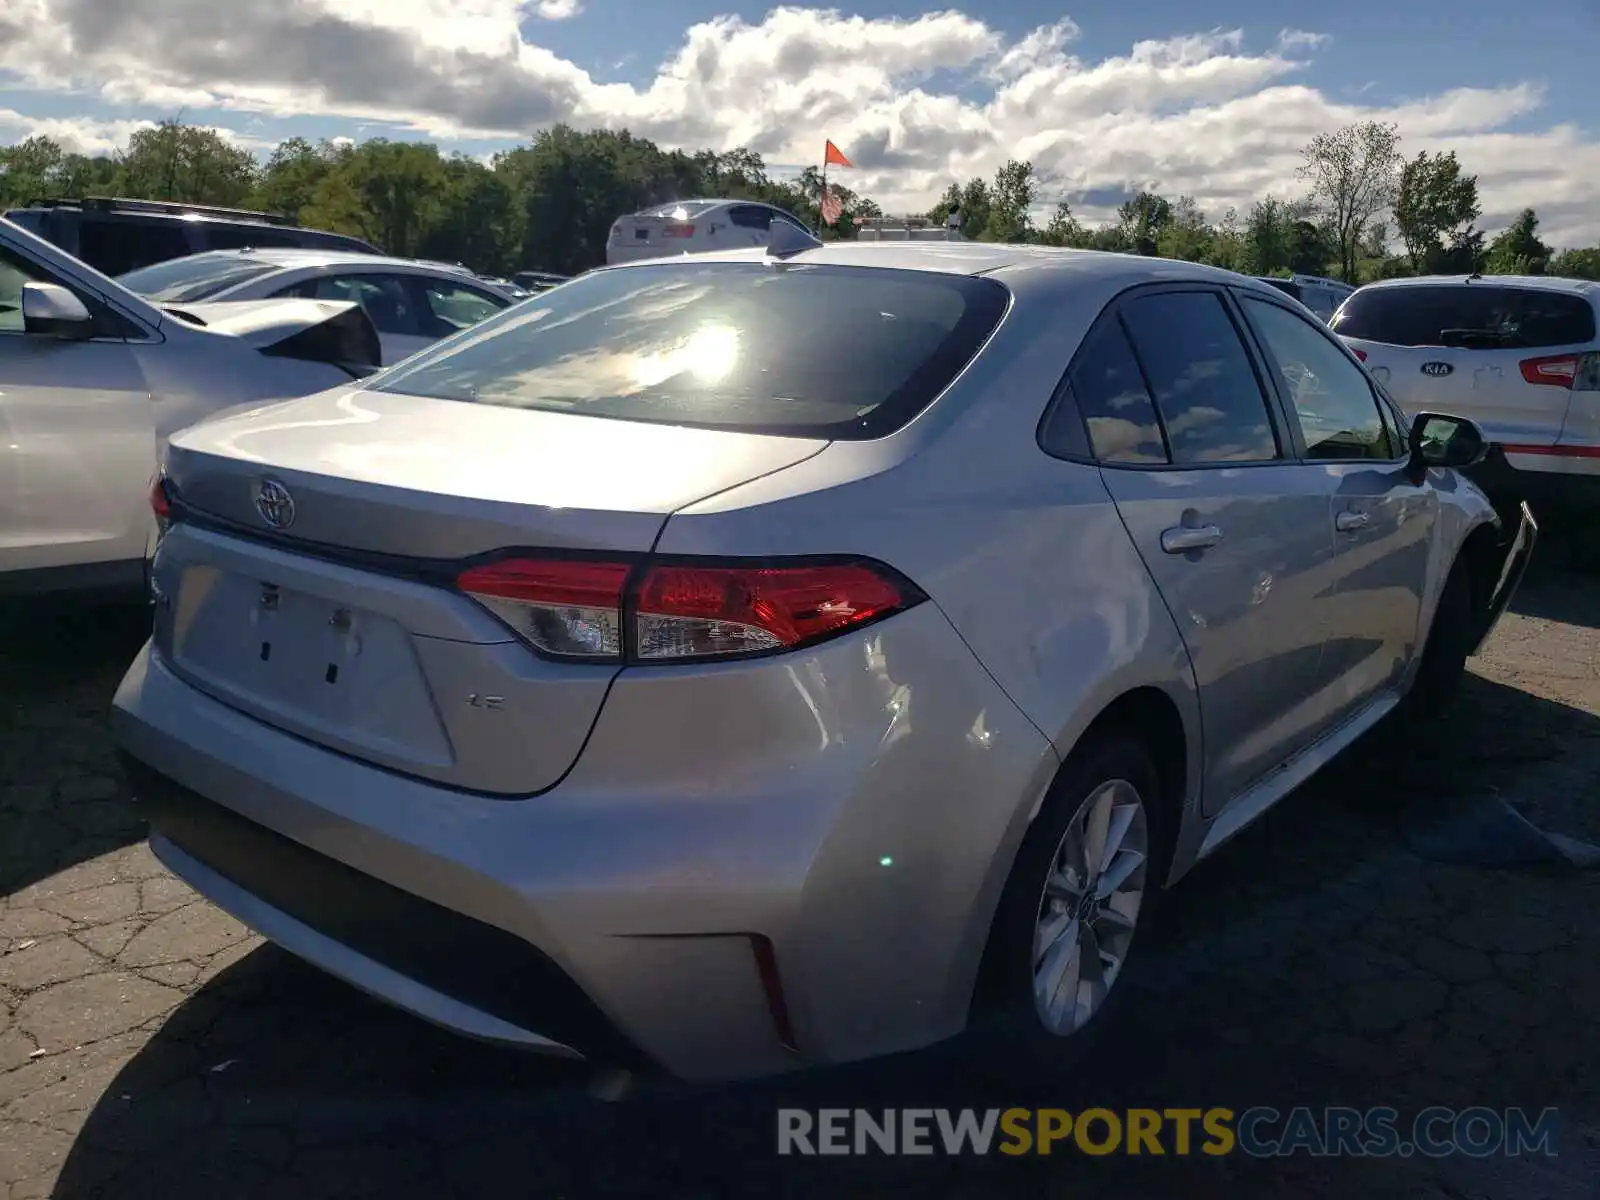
[1471, 316]
[183, 280]
[800, 350]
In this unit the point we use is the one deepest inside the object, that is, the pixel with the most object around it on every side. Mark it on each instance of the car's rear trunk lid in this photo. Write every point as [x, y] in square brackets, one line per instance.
[340, 625]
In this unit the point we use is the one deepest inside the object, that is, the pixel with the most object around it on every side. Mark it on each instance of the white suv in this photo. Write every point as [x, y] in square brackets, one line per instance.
[1520, 355]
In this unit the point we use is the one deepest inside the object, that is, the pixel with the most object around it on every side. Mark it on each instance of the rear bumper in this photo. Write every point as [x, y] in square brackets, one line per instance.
[1548, 477]
[699, 889]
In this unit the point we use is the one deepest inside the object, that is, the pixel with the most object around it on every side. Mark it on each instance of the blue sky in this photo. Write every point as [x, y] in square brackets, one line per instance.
[928, 96]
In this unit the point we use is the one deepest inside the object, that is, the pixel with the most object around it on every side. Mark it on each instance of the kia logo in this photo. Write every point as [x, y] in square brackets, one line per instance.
[275, 504]
[1437, 369]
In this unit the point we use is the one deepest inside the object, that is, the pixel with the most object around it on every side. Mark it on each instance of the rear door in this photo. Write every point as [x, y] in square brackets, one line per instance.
[1500, 354]
[1383, 522]
[1234, 531]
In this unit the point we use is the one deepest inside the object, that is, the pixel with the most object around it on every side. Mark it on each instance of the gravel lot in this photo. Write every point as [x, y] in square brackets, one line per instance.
[1353, 948]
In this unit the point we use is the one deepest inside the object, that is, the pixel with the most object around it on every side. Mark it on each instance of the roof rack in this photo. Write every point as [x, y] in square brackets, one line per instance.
[163, 207]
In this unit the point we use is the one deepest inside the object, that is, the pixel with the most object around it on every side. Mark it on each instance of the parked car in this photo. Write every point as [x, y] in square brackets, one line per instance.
[742, 668]
[114, 236]
[410, 303]
[1519, 355]
[93, 379]
[1318, 293]
[694, 227]
[537, 281]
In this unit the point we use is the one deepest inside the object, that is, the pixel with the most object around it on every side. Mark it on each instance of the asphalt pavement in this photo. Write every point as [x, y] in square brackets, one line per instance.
[1387, 937]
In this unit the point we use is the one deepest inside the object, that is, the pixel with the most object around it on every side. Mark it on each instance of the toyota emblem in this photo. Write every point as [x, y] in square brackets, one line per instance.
[275, 504]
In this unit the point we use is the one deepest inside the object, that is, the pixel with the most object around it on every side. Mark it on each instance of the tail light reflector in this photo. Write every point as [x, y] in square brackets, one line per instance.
[1361, 354]
[678, 229]
[615, 611]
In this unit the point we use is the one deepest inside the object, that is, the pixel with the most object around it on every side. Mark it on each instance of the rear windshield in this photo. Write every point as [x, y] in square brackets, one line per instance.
[1469, 316]
[682, 209]
[181, 280]
[792, 349]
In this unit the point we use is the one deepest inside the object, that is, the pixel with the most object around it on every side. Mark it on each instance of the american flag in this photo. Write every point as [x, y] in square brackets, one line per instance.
[832, 207]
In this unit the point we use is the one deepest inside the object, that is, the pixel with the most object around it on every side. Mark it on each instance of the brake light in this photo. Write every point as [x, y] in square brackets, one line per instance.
[1361, 354]
[1557, 370]
[160, 502]
[678, 229]
[615, 611]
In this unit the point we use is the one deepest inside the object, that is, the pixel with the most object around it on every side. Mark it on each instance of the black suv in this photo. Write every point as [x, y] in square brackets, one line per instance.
[114, 236]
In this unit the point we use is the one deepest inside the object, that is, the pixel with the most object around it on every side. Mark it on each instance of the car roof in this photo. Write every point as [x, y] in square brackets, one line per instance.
[295, 257]
[1539, 283]
[1021, 267]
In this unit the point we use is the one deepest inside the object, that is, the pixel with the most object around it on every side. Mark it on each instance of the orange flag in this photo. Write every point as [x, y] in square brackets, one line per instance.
[834, 156]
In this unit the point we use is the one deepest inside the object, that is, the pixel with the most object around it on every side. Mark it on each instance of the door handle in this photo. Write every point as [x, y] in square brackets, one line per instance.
[1182, 538]
[1349, 521]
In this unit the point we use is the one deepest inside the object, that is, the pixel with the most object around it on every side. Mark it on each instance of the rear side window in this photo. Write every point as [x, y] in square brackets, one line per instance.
[116, 247]
[218, 235]
[1200, 374]
[30, 219]
[1110, 394]
[1469, 316]
[800, 350]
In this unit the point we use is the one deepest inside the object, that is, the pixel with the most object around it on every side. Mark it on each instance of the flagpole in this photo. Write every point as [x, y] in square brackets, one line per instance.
[823, 195]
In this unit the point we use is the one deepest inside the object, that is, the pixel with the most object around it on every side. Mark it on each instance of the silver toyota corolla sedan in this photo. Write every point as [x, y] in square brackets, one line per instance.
[763, 659]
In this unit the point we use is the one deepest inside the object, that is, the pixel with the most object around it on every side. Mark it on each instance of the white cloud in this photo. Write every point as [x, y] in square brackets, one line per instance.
[916, 102]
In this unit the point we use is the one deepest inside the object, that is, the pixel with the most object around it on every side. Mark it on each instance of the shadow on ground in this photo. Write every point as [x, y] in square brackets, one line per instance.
[1318, 960]
[61, 798]
[1561, 577]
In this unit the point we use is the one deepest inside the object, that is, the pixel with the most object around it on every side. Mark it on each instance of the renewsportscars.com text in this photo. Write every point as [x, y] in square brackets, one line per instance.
[1259, 1132]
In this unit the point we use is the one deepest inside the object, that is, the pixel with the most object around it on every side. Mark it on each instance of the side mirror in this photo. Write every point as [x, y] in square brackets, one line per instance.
[1438, 440]
[50, 310]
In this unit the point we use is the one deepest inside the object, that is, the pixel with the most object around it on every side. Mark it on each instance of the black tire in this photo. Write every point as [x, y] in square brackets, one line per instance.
[1006, 1018]
[1444, 657]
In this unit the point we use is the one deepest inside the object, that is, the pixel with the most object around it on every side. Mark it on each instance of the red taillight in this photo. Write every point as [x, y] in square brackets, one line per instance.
[680, 611]
[160, 502]
[1558, 370]
[1361, 354]
[697, 612]
[678, 229]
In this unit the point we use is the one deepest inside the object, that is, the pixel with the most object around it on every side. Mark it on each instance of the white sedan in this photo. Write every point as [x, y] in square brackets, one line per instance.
[694, 227]
[93, 381]
[411, 303]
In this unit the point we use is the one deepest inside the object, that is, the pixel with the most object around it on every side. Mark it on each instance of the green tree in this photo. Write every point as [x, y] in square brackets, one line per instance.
[1435, 206]
[1266, 242]
[1064, 229]
[289, 182]
[1141, 221]
[1353, 174]
[1187, 235]
[1577, 264]
[174, 161]
[1518, 250]
[1011, 198]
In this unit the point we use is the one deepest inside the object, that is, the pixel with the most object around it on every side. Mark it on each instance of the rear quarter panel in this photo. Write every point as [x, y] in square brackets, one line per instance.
[1025, 554]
